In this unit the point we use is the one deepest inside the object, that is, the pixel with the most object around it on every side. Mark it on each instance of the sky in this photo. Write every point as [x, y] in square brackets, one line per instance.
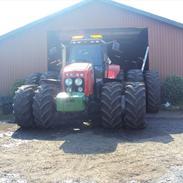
[17, 13]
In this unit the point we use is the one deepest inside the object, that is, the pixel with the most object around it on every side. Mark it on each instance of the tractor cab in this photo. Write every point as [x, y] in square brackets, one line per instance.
[88, 58]
[90, 50]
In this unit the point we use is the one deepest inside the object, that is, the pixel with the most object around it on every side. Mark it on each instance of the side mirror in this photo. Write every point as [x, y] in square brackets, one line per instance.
[108, 61]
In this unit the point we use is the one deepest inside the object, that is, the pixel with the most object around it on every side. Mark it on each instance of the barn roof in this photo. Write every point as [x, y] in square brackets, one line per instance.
[84, 3]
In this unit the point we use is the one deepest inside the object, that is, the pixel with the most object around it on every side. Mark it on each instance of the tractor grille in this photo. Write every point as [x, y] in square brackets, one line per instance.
[74, 87]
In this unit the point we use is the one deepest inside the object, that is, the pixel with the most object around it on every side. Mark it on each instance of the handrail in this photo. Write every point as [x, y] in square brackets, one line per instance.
[145, 58]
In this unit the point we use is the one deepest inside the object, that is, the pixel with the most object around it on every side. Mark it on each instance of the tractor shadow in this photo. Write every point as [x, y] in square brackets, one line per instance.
[80, 139]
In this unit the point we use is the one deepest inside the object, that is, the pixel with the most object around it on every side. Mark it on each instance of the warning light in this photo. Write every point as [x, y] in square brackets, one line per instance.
[78, 37]
[96, 36]
[93, 38]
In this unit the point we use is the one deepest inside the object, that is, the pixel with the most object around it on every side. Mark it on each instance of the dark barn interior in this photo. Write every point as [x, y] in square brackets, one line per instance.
[132, 46]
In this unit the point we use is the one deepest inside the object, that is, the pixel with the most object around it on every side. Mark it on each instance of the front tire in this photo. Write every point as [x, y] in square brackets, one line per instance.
[135, 105]
[111, 109]
[44, 107]
[22, 106]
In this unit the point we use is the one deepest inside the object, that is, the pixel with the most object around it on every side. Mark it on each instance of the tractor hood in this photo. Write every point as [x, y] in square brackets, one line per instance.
[79, 70]
[77, 67]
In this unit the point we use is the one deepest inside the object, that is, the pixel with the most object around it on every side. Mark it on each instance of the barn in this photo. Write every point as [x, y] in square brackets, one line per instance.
[36, 47]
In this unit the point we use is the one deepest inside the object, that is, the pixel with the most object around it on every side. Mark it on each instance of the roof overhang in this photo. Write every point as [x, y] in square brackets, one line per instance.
[86, 2]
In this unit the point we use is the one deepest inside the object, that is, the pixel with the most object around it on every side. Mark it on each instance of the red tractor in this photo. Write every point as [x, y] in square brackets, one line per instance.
[93, 87]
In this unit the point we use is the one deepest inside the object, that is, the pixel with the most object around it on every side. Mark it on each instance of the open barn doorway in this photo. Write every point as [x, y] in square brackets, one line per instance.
[132, 42]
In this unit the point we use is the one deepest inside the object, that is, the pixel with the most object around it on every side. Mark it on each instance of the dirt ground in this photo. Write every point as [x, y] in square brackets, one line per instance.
[81, 154]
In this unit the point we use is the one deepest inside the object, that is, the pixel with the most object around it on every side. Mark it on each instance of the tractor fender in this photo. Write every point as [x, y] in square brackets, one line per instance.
[112, 71]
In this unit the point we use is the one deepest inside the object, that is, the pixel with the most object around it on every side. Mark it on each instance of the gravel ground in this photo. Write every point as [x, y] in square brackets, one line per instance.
[81, 154]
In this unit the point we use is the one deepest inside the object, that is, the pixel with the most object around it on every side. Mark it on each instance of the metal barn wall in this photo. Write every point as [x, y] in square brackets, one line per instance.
[26, 52]
[20, 56]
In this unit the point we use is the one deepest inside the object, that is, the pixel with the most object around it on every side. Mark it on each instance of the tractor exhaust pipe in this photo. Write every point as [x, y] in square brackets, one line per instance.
[63, 55]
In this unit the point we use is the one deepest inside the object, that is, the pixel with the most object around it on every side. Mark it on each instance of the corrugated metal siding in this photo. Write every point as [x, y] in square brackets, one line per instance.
[20, 56]
[27, 52]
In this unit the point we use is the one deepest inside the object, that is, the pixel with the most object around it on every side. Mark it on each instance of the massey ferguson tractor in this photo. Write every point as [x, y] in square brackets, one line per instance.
[91, 85]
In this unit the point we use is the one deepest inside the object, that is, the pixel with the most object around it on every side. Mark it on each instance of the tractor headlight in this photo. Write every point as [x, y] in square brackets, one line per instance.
[78, 81]
[69, 90]
[80, 89]
[68, 82]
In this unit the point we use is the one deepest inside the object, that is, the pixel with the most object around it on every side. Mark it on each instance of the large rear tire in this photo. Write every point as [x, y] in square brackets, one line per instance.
[135, 75]
[135, 105]
[152, 91]
[22, 106]
[44, 107]
[49, 75]
[33, 79]
[111, 109]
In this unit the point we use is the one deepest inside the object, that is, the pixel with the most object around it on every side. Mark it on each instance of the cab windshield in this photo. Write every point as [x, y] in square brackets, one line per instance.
[91, 53]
